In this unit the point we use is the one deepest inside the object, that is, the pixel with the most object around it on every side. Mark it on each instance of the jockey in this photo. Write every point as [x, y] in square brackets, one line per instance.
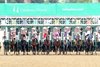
[77, 36]
[89, 36]
[89, 41]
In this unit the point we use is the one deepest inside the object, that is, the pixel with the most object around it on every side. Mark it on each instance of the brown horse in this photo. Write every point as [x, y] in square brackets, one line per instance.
[12, 43]
[89, 46]
[47, 45]
[34, 43]
[78, 44]
[57, 44]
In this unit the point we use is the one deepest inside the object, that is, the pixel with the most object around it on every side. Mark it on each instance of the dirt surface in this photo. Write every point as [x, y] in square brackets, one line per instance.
[50, 60]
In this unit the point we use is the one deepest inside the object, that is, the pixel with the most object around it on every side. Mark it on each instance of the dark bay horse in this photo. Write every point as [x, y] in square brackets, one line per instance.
[57, 44]
[47, 45]
[78, 44]
[89, 46]
[34, 44]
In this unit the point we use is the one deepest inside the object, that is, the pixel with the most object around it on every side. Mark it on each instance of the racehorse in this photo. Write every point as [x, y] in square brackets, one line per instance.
[65, 46]
[57, 44]
[23, 44]
[13, 45]
[6, 47]
[89, 46]
[47, 45]
[78, 44]
[34, 44]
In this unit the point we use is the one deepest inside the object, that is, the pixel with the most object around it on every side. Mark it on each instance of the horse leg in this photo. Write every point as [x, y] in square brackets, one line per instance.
[59, 49]
[76, 50]
[33, 50]
[55, 50]
[63, 49]
[79, 49]
[5, 51]
[47, 50]
[66, 49]
[92, 50]
[23, 50]
[37, 50]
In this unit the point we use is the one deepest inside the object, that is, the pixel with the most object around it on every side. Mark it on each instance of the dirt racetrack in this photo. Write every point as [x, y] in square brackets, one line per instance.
[50, 60]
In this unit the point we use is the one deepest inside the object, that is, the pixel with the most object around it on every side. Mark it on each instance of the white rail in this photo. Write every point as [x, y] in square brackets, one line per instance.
[50, 25]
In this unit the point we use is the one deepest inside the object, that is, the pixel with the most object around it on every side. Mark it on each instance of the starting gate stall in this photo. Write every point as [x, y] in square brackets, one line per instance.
[24, 36]
[77, 35]
[56, 34]
[67, 39]
[89, 39]
[36, 34]
[12, 38]
[44, 36]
